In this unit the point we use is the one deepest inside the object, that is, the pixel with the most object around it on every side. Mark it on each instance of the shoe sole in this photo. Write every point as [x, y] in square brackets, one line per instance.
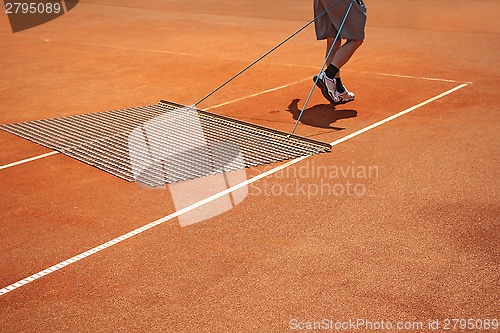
[345, 101]
[324, 89]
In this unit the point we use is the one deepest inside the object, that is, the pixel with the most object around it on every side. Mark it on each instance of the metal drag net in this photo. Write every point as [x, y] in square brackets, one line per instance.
[164, 143]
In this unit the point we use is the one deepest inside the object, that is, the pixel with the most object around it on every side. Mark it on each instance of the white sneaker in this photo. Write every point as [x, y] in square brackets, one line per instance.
[345, 97]
[329, 90]
[327, 87]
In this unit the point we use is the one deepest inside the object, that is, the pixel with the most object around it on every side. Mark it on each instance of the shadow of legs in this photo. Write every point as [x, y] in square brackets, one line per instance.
[321, 115]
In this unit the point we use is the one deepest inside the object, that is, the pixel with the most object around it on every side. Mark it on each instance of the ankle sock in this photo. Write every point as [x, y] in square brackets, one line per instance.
[331, 71]
[340, 86]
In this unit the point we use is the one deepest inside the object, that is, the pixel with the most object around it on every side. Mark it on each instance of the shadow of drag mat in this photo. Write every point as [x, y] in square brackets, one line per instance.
[321, 115]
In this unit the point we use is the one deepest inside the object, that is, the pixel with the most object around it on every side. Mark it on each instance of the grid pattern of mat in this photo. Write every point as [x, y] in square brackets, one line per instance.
[164, 143]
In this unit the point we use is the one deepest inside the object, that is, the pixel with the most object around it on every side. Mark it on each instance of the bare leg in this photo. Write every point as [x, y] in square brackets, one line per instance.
[345, 52]
[329, 42]
[333, 90]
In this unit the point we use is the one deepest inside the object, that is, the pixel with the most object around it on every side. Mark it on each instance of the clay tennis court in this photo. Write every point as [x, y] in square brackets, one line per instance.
[405, 230]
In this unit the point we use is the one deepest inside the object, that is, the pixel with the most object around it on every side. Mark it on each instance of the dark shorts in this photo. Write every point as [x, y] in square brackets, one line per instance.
[327, 26]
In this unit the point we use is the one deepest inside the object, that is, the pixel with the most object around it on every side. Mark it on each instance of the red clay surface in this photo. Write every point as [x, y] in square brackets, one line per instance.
[421, 244]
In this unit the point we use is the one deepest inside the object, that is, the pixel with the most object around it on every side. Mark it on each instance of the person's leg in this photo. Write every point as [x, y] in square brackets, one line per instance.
[329, 81]
[339, 57]
[329, 42]
[345, 52]
[326, 80]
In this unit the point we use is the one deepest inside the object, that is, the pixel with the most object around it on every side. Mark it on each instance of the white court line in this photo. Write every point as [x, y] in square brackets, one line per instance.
[401, 76]
[410, 77]
[257, 94]
[162, 220]
[118, 47]
[28, 160]
[208, 108]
